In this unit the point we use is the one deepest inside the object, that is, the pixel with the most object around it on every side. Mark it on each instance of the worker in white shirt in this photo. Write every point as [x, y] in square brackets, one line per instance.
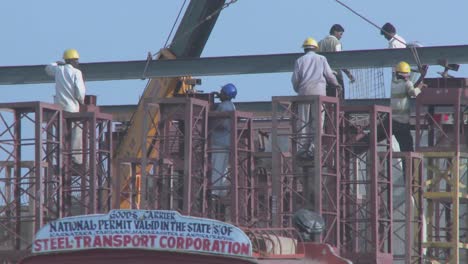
[394, 40]
[332, 43]
[69, 93]
[310, 77]
[402, 90]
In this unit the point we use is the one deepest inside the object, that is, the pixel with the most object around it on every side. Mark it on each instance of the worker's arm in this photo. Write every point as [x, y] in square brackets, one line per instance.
[423, 72]
[80, 87]
[346, 71]
[411, 90]
[349, 74]
[51, 69]
[295, 77]
[329, 76]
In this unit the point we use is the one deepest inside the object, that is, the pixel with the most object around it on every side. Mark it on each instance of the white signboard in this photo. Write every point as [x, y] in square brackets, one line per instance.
[142, 229]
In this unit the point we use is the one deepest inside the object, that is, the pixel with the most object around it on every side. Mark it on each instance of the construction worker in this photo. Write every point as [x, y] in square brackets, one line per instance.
[221, 141]
[310, 77]
[69, 92]
[332, 43]
[394, 40]
[402, 90]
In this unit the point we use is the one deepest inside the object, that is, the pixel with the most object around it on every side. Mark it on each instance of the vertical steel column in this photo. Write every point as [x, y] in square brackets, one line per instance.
[314, 179]
[407, 207]
[366, 185]
[245, 168]
[87, 186]
[180, 142]
[29, 190]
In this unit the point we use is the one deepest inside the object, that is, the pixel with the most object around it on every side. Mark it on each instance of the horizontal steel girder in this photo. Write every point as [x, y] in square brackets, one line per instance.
[233, 65]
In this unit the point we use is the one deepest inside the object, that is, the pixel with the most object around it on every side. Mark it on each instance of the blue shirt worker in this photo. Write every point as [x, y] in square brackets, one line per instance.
[69, 93]
[221, 142]
[310, 77]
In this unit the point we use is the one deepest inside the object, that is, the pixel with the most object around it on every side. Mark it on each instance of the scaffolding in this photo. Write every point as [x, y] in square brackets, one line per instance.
[232, 187]
[87, 186]
[30, 181]
[179, 162]
[181, 141]
[408, 225]
[446, 161]
[310, 181]
[366, 184]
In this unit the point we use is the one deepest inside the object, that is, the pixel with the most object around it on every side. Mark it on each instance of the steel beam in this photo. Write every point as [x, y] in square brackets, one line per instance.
[232, 65]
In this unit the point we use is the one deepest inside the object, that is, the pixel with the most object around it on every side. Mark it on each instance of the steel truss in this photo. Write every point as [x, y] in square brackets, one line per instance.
[30, 182]
[408, 213]
[179, 148]
[236, 183]
[446, 193]
[446, 197]
[312, 181]
[262, 189]
[366, 184]
[87, 186]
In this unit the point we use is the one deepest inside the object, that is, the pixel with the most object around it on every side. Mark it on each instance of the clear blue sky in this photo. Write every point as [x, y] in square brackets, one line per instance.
[37, 32]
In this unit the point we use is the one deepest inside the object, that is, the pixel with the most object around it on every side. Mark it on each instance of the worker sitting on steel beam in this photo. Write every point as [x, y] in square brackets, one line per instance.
[310, 77]
[332, 43]
[221, 141]
[69, 93]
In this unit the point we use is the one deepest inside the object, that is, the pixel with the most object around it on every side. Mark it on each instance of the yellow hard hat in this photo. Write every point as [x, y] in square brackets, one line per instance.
[310, 42]
[71, 54]
[403, 67]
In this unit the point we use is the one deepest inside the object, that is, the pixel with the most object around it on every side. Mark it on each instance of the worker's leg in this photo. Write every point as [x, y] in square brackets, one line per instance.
[331, 91]
[402, 133]
[304, 129]
[77, 143]
[219, 170]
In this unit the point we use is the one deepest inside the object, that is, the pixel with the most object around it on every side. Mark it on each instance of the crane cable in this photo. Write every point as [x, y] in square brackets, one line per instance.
[413, 49]
[166, 45]
[190, 30]
[175, 22]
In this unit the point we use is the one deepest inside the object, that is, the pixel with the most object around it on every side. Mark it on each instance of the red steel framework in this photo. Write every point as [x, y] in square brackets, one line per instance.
[180, 140]
[366, 184]
[446, 161]
[239, 175]
[30, 182]
[178, 161]
[262, 189]
[311, 183]
[87, 187]
[408, 207]
[442, 136]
